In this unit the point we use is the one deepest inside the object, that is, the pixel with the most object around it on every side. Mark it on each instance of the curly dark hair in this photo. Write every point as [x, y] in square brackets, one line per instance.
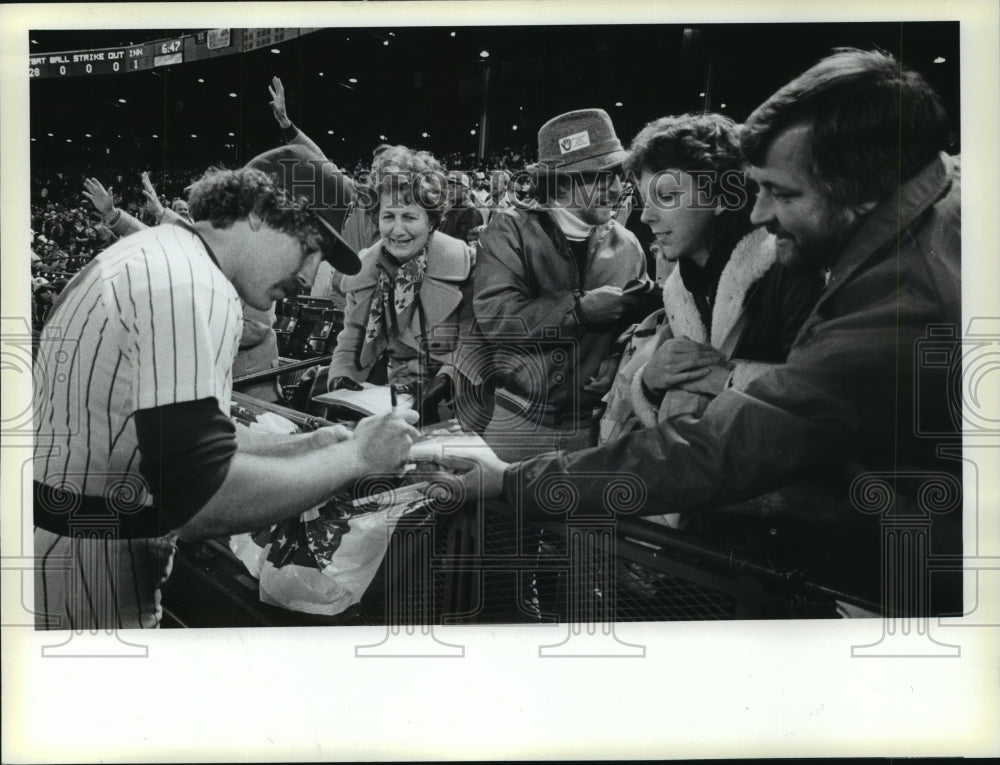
[411, 177]
[873, 123]
[223, 197]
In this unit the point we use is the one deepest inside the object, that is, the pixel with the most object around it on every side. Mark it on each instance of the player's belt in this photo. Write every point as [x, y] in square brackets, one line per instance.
[68, 513]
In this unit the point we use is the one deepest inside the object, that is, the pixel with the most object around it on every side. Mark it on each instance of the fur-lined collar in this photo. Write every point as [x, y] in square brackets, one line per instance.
[752, 257]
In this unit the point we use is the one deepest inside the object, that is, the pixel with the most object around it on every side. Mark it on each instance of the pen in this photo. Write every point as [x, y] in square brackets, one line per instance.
[392, 396]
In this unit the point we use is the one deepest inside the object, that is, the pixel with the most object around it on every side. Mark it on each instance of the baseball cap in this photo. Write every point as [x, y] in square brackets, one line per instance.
[327, 191]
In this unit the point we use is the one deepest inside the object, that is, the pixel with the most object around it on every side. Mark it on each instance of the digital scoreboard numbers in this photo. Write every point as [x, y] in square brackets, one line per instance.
[136, 58]
[132, 58]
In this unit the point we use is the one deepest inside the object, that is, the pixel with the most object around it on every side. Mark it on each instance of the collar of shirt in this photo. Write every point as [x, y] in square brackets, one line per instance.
[572, 225]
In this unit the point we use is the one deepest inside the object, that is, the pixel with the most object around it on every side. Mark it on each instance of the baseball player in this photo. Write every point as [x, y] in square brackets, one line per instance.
[133, 443]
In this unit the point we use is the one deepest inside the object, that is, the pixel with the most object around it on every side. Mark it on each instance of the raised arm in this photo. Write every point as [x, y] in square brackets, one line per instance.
[290, 133]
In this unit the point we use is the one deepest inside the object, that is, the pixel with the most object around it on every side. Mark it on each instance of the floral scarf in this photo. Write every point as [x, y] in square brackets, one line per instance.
[393, 303]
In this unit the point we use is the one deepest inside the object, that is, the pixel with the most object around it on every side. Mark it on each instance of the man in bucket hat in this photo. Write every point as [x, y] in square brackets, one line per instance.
[549, 299]
[133, 443]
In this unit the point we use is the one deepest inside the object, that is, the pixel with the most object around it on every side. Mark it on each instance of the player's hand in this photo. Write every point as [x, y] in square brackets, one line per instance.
[101, 198]
[345, 383]
[602, 305]
[153, 205]
[383, 442]
[330, 434]
[277, 91]
[680, 360]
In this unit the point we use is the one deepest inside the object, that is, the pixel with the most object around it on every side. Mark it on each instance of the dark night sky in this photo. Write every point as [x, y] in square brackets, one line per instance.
[427, 81]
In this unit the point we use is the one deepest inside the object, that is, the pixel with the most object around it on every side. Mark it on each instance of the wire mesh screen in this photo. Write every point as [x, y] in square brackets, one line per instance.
[488, 569]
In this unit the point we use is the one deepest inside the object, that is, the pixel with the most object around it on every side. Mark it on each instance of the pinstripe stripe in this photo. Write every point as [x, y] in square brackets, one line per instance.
[90, 380]
[135, 585]
[173, 324]
[111, 583]
[45, 566]
[77, 544]
[108, 411]
[194, 323]
[152, 328]
[225, 332]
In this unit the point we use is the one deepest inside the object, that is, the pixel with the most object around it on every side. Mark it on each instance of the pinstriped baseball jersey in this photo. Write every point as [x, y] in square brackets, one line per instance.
[150, 321]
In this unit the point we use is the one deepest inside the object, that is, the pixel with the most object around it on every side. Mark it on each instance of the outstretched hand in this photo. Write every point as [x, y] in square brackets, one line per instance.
[100, 197]
[153, 205]
[480, 472]
[277, 91]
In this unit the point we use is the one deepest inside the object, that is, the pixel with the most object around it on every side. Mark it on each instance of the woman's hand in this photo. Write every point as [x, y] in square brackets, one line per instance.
[680, 360]
[153, 206]
[101, 198]
[277, 91]
[345, 383]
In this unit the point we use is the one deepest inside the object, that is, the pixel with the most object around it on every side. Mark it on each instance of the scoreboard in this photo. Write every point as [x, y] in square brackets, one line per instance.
[207, 43]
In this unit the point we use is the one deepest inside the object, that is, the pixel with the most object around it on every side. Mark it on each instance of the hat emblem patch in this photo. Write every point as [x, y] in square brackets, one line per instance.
[573, 142]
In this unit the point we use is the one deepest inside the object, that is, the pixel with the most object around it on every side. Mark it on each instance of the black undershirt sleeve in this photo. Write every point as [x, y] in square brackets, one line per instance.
[185, 452]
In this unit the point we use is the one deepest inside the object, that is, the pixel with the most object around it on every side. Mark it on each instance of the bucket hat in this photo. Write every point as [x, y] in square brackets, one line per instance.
[580, 141]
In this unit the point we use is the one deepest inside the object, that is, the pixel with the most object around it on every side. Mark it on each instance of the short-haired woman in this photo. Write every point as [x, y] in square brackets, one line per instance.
[410, 302]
